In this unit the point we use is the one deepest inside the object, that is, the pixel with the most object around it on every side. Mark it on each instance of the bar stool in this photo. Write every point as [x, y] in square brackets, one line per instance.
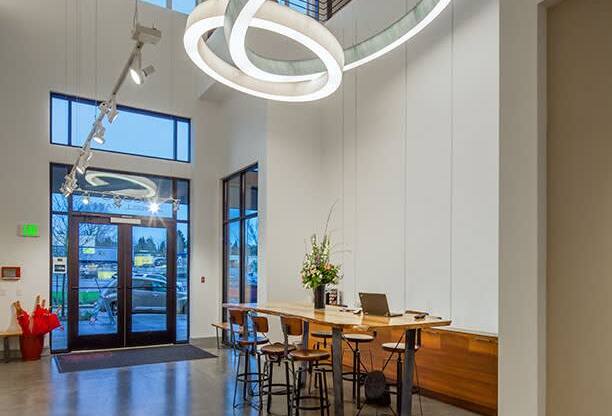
[321, 338]
[399, 348]
[246, 345]
[355, 376]
[277, 354]
[294, 327]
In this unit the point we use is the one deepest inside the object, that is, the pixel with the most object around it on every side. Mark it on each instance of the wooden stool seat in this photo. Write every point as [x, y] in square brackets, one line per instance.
[396, 347]
[278, 348]
[252, 340]
[309, 355]
[358, 338]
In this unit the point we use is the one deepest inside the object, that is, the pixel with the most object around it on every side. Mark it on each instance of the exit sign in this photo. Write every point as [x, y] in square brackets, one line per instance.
[30, 230]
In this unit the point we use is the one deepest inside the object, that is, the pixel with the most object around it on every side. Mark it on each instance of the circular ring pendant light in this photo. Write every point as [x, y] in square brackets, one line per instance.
[284, 80]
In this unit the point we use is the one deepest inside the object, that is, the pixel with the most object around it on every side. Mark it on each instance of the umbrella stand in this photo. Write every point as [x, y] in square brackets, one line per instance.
[34, 328]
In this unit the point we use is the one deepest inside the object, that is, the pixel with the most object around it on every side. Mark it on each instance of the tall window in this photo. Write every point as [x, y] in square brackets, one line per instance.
[240, 236]
[135, 132]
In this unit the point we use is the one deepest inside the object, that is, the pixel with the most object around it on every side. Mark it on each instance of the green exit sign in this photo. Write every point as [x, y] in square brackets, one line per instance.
[30, 230]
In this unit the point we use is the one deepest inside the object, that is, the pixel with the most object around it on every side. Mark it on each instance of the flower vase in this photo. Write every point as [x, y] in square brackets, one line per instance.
[319, 297]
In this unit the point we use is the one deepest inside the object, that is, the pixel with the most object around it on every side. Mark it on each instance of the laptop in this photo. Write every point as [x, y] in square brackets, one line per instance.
[376, 304]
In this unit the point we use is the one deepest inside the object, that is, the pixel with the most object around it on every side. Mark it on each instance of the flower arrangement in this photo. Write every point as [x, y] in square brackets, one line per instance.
[317, 270]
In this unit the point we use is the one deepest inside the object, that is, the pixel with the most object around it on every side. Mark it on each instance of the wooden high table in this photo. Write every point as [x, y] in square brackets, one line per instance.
[340, 321]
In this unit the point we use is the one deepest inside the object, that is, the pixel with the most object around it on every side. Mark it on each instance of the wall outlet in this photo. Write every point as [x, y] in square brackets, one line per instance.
[203, 279]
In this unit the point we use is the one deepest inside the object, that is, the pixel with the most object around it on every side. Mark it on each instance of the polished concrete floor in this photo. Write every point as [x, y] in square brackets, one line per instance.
[202, 387]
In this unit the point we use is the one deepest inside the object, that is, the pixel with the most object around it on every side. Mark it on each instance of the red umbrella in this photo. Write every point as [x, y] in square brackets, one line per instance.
[23, 319]
[40, 320]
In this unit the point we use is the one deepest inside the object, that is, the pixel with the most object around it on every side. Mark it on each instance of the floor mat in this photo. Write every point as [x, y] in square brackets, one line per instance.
[96, 360]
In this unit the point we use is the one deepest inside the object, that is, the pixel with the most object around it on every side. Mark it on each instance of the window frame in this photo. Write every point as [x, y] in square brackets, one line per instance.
[172, 222]
[241, 219]
[82, 100]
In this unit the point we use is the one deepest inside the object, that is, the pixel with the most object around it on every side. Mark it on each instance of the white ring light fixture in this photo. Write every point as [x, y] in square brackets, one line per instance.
[292, 81]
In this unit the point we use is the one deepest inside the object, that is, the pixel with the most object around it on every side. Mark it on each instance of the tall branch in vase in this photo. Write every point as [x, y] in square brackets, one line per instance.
[317, 270]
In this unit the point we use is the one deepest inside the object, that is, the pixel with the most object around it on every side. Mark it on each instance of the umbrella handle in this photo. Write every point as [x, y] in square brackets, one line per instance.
[17, 306]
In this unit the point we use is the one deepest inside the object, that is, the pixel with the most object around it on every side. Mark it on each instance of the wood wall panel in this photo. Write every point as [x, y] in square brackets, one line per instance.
[455, 367]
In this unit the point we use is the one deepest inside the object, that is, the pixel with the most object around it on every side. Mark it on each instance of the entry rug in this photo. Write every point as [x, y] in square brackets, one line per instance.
[97, 360]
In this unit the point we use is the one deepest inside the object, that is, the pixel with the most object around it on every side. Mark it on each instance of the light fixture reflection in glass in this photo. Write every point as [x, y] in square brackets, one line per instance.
[85, 199]
[153, 207]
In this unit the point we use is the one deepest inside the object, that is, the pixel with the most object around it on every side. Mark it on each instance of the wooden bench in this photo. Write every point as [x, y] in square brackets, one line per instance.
[7, 335]
[223, 326]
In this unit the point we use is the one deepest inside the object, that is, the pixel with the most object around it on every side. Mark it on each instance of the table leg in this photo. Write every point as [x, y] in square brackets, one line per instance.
[406, 409]
[7, 351]
[337, 371]
[305, 335]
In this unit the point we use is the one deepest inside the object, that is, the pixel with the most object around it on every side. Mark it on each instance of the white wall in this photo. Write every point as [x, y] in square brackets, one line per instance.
[411, 152]
[54, 46]
[243, 139]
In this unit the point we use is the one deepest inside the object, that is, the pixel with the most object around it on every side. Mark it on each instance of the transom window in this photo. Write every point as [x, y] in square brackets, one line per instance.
[307, 7]
[181, 6]
[134, 132]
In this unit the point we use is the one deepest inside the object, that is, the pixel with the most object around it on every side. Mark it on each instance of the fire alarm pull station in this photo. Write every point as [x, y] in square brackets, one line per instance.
[11, 273]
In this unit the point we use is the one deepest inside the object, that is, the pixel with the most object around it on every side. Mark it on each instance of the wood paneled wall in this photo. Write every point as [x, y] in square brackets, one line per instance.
[455, 367]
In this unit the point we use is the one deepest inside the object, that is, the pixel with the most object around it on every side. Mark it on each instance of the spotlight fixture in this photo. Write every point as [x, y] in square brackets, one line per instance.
[81, 165]
[98, 135]
[112, 112]
[70, 184]
[139, 74]
[85, 198]
[153, 207]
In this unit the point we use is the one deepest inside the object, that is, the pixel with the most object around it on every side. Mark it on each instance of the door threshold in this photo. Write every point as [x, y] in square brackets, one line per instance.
[121, 348]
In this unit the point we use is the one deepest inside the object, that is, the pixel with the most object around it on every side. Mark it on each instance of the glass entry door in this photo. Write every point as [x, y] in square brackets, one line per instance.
[149, 301]
[122, 286]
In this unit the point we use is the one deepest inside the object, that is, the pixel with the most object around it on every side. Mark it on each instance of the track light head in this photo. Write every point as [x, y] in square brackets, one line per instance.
[98, 135]
[137, 73]
[69, 185]
[112, 112]
[139, 76]
[136, 69]
[81, 167]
